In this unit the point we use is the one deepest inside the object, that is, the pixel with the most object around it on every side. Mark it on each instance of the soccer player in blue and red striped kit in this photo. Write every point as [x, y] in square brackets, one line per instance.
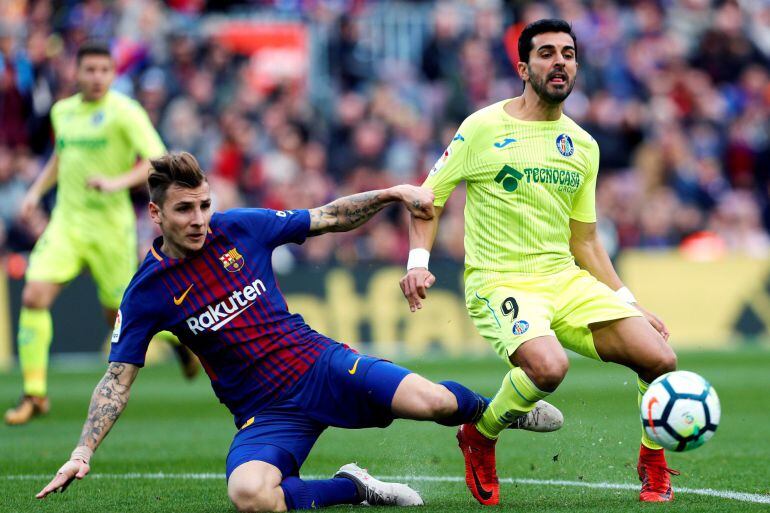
[209, 280]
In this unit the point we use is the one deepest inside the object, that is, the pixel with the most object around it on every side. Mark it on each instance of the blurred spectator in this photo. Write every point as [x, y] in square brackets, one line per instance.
[439, 55]
[349, 61]
[677, 94]
[16, 83]
[12, 189]
[737, 221]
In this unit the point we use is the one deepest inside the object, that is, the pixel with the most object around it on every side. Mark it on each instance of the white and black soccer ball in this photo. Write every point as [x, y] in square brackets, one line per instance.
[680, 410]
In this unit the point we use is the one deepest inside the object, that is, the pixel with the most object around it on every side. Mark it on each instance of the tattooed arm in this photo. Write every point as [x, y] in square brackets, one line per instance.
[107, 403]
[344, 214]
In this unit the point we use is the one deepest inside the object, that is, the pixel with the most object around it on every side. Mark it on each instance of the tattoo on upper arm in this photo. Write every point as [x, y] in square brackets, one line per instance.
[346, 213]
[107, 403]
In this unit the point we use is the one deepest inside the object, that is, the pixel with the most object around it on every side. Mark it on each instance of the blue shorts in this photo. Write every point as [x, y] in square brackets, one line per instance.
[342, 389]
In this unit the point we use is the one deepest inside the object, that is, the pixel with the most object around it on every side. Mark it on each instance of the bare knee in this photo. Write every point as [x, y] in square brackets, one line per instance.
[420, 399]
[662, 362]
[438, 401]
[255, 496]
[37, 295]
[543, 360]
[255, 486]
[547, 373]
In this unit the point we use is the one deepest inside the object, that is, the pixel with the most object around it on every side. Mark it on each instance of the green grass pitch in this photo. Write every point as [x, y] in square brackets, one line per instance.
[173, 427]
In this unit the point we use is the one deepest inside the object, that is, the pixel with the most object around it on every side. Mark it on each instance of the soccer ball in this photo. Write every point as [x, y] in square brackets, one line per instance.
[680, 411]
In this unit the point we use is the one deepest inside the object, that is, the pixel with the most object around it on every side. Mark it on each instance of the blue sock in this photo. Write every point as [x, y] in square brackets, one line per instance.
[301, 494]
[470, 405]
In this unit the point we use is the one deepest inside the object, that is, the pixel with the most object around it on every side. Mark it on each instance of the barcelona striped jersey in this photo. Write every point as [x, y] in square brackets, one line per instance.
[225, 305]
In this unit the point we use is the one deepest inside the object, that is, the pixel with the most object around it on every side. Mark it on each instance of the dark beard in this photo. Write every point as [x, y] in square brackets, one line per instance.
[541, 89]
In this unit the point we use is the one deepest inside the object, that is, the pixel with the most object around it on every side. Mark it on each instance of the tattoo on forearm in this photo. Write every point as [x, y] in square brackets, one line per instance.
[346, 213]
[107, 403]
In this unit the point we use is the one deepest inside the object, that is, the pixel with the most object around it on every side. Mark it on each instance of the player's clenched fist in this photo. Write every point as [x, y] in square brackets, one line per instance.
[102, 183]
[73, 469]
[418, 200]
[415, 286]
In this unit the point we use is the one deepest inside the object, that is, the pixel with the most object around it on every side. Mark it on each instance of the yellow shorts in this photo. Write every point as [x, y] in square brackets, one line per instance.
[110, 254]
[509, 309]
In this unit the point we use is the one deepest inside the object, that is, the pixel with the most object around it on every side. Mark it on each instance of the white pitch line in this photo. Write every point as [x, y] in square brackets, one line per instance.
[756, 498]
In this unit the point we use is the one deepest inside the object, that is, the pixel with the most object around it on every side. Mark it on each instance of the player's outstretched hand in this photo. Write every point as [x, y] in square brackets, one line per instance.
[418, 200]
[73, 469]
[656, 321]
[415, 286]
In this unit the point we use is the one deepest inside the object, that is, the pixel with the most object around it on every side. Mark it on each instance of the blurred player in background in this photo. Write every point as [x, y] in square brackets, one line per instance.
[537, 277]
[103, 142]
[209, 280]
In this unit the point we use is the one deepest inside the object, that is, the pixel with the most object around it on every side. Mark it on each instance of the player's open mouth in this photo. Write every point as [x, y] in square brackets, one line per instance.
[558, 78]
[196, 236]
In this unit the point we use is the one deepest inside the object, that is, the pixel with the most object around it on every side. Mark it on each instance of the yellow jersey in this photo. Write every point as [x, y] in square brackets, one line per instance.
[102, 138]
[525, 180]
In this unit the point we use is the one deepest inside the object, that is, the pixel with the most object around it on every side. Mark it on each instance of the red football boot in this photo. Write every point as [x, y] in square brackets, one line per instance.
[480, 469]
[654, 475]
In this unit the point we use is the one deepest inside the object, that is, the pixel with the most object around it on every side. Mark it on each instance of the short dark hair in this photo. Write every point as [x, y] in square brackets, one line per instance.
[540, 27]
[173, 168]
[93, 47]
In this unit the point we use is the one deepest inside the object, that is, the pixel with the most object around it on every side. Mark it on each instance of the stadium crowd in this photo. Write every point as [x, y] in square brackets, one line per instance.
[677, 93]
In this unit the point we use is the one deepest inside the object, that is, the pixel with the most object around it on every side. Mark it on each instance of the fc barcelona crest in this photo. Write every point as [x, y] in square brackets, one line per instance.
[232, 260]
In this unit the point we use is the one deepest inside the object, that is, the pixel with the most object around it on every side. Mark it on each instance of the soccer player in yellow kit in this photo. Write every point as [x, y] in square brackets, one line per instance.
[103, 142]
[537, 278]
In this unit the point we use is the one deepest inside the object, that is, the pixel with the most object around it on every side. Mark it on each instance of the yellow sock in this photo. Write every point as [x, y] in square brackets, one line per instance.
[517, 396]
[646, 440]
[34, 340]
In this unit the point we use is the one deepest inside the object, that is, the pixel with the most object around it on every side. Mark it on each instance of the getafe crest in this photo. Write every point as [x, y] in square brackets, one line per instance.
[564, 145]
[520, 327]
[232, 260]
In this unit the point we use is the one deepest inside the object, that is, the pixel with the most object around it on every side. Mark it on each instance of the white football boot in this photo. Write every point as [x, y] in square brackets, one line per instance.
[378, 493]
[543, 418]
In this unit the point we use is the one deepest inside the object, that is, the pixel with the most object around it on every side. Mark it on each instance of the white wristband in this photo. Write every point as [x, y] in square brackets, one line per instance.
[418, 257]
[625, 295]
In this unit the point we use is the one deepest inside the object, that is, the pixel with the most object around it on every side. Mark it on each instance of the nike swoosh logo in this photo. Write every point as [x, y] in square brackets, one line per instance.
[505, 143]
[486, 495]
[649, 414]
[355, 367]
[178, 302]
